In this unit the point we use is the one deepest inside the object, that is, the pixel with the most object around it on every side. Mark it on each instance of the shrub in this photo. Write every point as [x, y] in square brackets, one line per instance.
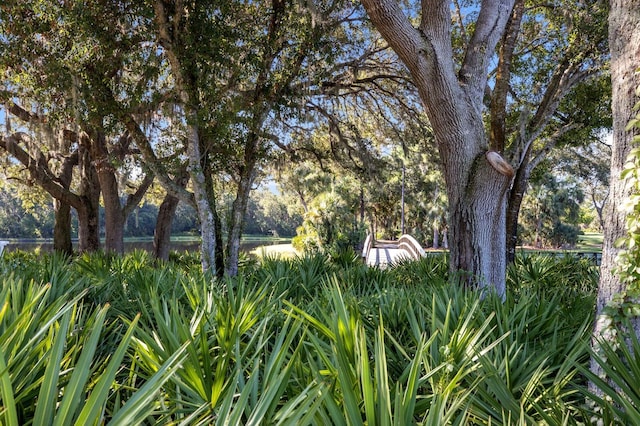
[319, 339]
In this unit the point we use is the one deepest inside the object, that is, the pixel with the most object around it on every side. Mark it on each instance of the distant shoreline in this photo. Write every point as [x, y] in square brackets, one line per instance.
[178, 243]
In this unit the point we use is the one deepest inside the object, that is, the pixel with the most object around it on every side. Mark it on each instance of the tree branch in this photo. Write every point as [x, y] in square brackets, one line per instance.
[503, 76]
[490, 26]
[38, 169]
[134, 199]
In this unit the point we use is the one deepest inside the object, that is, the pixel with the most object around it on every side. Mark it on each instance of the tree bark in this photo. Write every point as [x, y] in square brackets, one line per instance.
[478, 224]
[166, 213]
[185, 84]
[113, 215]
[624, 30]
[239, 207]
[62, 228]
[62, 211]
[624, 27]
[162, 232]
[516, 195]
[205, 203]
[89, 209]
[454, 103]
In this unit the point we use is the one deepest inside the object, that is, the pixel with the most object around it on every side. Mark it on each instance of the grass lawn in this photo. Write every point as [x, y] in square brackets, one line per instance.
[590, 241]
[284, 251]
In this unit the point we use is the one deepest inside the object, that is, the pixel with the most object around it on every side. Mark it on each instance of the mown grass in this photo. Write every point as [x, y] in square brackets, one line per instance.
[590, 241]
[311, 340]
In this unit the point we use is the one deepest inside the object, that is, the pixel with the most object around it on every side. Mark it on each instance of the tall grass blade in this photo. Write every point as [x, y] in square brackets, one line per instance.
[137, 408]
[92, 410]
[48, 395]
[6, 392]
[73, 392]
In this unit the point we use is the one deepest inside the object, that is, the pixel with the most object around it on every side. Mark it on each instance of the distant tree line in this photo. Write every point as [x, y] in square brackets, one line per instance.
[207, 98]
[21, 217]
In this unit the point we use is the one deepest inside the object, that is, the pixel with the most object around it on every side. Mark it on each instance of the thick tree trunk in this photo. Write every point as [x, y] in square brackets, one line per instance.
[62, 210]
[113, 221]
[113, 215]
[624, 27]
[478, 225]
[88, 213]
[453, 98]
[624, 30]
[62, 228]
[88, 227]
[166, 213]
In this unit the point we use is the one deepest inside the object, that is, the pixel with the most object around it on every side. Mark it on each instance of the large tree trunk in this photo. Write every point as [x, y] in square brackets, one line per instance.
[88, 212]
[62, 210]
[624, 30]
[166, 213]
[113, 215]
[88, 228]
[454, 104]
[62, 228]
[477, 221]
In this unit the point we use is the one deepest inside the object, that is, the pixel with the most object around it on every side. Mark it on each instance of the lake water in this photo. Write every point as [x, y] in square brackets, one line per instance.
[179, 246]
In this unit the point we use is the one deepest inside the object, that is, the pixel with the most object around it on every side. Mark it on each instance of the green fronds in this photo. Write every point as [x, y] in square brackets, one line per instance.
[299, 341]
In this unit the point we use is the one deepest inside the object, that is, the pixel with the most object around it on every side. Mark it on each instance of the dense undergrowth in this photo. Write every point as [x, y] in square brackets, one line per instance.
[316, 340]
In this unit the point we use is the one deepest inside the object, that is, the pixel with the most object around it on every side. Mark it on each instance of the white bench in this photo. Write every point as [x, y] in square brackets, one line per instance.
[2, 245]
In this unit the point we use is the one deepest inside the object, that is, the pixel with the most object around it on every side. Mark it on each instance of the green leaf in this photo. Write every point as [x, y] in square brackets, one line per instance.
[92, 411]
[74, 389]
[6, 392]
[139, 405]
[48, 395]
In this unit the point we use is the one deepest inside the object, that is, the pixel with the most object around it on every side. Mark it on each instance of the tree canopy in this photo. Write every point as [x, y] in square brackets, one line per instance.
[225, 93]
